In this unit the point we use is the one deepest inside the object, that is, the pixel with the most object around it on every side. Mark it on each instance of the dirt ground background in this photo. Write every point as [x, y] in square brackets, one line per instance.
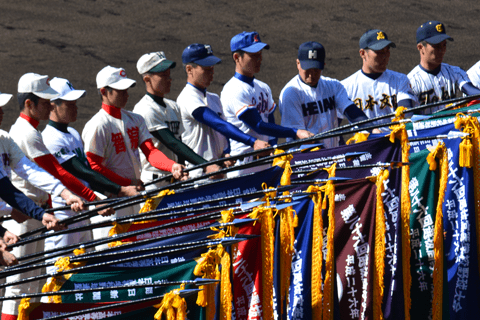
[74, 39]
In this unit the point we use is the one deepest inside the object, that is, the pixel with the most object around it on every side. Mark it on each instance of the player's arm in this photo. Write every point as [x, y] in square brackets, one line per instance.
[96, 161]
[160, 161]
[97, 181]
[469, 89]
[166, 137]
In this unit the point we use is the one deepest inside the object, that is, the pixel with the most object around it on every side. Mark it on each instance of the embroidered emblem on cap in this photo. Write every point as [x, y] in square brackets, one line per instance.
[255, 38]
[122, 73]
[70, 85]
[312, 54]
[439, 27]
[209, 49]
[380, 35]
[161, 55]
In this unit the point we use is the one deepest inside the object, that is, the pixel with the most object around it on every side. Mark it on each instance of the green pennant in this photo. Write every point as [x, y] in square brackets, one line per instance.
[423, 195]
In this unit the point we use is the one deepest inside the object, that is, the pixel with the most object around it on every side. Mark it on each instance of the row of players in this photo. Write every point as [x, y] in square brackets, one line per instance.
[200, 126]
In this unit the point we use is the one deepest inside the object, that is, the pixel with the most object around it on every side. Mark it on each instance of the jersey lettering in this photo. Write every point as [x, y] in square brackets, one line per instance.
[173, 126]
[118, 143]
[312, 108]
[262, 105]
[79, 153]
[370, 103]
[133, 136]
[387, 101]
[63, 151]
[309, 109]
[429, 96]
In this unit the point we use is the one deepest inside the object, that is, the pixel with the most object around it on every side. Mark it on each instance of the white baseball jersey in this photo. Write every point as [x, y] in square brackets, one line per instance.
[474, 74]
[237, 96]
[377, 97]
[313, 108]
[430, 88]
[202, 139]
[31, 143]
[158, 117]
[104, 135]
[64, 146]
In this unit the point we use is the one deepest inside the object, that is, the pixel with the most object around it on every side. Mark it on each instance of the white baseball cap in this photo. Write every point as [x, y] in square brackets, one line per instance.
[115, 78]
[4, 98]
[37, 84]
[66, 90]
[154, 62]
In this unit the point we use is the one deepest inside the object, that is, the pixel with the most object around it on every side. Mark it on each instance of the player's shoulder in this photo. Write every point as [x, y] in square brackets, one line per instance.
[126, 114]
[351, 79]
[452, 69]
[4, 134]
[142, 104]
[395, 74]
[294, 85]
[416, 72]
[475, 67]
[262, 85]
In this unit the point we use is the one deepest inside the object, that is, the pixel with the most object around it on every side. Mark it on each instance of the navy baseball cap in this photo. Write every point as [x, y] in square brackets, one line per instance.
[432, 32]
[248, 42]
[375, 39]
[311, 55]
[200, 54]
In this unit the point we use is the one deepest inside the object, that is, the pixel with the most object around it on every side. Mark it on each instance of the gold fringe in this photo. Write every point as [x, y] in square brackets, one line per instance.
[399, 114]
[378, 281]
[399, 132]
[25, 308]
[153, 202]
[358, 137]
[317, 254]
[207, 267]
[174, 306]
[118, 228]
[439, 152]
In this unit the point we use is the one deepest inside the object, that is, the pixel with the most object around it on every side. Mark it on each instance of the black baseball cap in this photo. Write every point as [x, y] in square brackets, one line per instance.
[375, 39]
[433, 32]
[311, 55]
[200, 54]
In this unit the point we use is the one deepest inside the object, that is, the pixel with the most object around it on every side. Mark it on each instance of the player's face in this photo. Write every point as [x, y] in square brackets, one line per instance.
[250, 63]
[202, 76]
[117, 98]
[66, 112]
[309, 76]
[375, 61]
[160, 82]
[41, 111]
[434, 53]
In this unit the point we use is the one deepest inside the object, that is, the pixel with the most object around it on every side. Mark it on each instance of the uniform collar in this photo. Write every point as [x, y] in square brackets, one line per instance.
[63, 127]
[204, 91]
[434, 71]
[157, 99]
[245, 79]
[373, 76]
[113, 111]
[30, 120]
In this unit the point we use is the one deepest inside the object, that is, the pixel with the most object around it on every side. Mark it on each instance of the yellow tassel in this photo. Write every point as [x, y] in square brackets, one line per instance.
[287, 241]
[265, 215]
[25, 308]
[225, 285]
[399, 114]
[207, 268]
[399, 132]
[174, 306]
[440, 152]
[378, 281]
[358, 137]
[317, 254]
[153, 202]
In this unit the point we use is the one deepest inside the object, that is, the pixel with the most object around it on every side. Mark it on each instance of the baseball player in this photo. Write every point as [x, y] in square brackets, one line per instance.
[114, 135]
[247, 102]
[474, 74]
[6, 257]
[375, 89]
[162, 116]
[205, 128]
[432, 80]
[310, 101]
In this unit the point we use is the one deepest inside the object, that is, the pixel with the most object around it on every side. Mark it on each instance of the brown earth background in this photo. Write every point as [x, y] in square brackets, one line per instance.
[74, 39]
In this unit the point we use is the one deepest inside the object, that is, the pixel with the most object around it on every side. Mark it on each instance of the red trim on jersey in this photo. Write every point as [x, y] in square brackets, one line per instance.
[51, 165]
[156, 157]
[30, 120]
[113, 111]
[96, 164]
[9, 316]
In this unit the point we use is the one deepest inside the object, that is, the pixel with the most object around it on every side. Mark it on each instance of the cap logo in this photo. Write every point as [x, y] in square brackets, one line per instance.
[439, 27]
[70, 85]
[255, 38]
[380, 35]
[47, 81]
[122, 73]
[161, 55]
[312, 54]
[208, 48]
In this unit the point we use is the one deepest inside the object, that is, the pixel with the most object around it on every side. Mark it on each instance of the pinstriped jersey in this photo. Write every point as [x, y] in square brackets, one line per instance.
[430, 88]
[474, 74]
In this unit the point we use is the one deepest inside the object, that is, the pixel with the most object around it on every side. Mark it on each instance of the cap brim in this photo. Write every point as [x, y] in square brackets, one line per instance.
[123, 84]
[163, 66]
[438, 38]
[382, 44]
[208, 61]
[48, 94]
[71, 96]
[312, 64]
[257, 46]
[4, 98]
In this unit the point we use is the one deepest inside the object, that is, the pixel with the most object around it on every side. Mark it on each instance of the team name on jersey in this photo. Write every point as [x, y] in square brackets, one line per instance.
[262, 105]
[173, 126]
[429, 96]
[371, 103]
[316, 107]
[119, 143]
